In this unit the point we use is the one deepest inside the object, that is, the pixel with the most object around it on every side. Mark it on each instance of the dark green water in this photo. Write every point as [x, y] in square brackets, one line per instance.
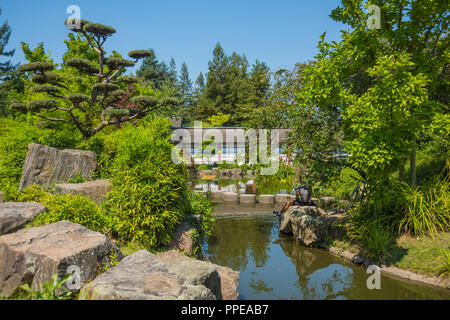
[273, 266]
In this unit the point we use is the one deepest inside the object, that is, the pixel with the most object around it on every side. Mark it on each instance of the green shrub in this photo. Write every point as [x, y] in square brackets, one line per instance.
[150, 190]
[340, 187]
[200, 205]
[74, 208]
[15, 136]
[427, 209]
[51, 290]
[375, 239]
[444, 268]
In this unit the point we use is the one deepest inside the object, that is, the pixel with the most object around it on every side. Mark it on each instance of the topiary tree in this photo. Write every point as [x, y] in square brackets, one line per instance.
[110, 100]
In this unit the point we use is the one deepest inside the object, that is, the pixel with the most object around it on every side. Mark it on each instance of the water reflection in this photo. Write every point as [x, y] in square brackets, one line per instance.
[273, 266]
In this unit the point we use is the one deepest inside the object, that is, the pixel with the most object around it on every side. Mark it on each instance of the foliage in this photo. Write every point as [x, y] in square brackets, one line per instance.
[51, 290]
[74, 208]
[230, 87]
[112, 261]
[85, 90]
[376, 239]
[444, 268]
[427, 209]
[384, 122]
[340, 187]
[15, 136]
[8, 76]
[200, 205]
[149, 188]
[217, 120]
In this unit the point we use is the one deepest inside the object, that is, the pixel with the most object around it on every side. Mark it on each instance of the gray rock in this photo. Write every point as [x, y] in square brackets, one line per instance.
[358, 260]
[247, 198]
[95, 190]
[309, 225]
[282, 198]
[228, 277]
[1, 196]
[265, 198]
[143, 276]
[216, 196]
[230, 197]
[33, 255]
[326, 202]
[45, 165]
[14, 215]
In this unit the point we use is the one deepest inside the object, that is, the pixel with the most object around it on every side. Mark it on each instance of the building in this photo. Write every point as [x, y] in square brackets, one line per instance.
[209, 145]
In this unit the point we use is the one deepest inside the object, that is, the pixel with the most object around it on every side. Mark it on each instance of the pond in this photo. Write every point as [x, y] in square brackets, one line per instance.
[273, 266]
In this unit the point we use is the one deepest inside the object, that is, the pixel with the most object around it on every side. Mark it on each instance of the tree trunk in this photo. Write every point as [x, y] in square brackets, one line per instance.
[413, 165]
[401, 171]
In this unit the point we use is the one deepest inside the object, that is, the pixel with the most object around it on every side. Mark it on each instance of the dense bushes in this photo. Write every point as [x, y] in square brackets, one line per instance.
[397, 208]
[150, 195]
[15, 136]
[150, 190]
[73, 208]
[427, 209]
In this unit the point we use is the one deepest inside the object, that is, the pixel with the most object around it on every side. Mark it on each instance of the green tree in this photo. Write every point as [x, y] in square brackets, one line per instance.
[343, 78]
[9, 79]
[107, 98]
[152, 70]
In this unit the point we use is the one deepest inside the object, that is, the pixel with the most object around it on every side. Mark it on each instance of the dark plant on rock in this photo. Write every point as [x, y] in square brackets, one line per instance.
[110, 100]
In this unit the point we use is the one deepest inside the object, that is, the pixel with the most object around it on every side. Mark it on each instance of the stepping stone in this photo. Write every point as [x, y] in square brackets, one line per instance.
[266, 198]
[216, 196]
[15, 215]
[282, 198]
[230, 197]
[247, 198]
[33, 255]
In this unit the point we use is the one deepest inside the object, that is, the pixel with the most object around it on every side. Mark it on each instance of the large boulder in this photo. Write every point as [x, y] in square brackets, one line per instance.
[33, 255]
[95, 190]
[143, 276]
[310, 225]
[228, 277]
[45, 165]
[14, 215]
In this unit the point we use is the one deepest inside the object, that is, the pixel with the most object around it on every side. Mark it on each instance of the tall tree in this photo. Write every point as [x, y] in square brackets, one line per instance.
[185, 85]
[106, 99]
[9, 79]
[5, 33]
[153, 70]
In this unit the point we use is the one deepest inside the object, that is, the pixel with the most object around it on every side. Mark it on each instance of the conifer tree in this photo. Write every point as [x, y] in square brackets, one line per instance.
[110, 100]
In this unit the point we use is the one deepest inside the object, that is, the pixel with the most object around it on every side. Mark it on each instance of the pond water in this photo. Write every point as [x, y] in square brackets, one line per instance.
[264, 185]
[273, 266]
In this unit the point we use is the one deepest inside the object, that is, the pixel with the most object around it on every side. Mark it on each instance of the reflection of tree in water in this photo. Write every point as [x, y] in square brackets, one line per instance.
[318, 276]
[259, 286]
[235, 240]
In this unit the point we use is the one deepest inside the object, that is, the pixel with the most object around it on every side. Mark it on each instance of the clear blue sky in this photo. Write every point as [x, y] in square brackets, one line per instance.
[279, 33]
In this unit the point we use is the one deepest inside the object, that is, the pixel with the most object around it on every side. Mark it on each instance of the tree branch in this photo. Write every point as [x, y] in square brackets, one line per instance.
[51, 119]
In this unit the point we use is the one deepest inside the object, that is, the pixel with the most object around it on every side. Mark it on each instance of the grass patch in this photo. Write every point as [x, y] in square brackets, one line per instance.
[421, 254]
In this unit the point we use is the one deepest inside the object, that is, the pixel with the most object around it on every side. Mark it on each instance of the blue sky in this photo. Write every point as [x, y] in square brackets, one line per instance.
[279, 33]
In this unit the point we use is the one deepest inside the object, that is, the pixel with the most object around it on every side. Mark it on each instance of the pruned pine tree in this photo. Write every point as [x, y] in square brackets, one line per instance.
[111, 100]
